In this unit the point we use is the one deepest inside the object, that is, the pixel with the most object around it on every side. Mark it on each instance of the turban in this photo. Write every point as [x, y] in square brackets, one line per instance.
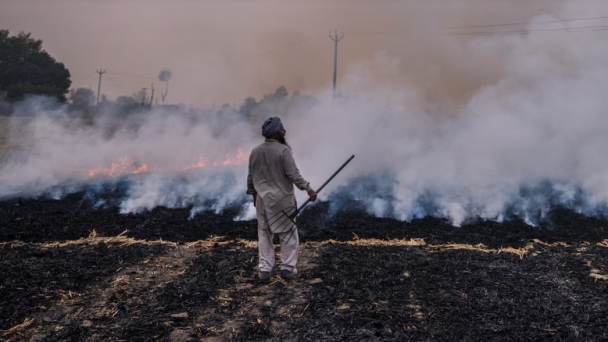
[271, 127]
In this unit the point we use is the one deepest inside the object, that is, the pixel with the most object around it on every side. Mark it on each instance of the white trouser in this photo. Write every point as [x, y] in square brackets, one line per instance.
[289, 244]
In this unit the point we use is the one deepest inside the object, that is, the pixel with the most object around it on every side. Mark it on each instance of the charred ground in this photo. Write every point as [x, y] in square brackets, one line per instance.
[69, 271]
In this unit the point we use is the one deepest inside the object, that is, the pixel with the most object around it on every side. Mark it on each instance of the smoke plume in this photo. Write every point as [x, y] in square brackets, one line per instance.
[491, 126]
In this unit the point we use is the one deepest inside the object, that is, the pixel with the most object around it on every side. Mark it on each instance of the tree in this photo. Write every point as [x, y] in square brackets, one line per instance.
[165, 76]
[280, 94]
[82, 99]
[25, 68]
[248, 107]
[277, 104]
[126, 105]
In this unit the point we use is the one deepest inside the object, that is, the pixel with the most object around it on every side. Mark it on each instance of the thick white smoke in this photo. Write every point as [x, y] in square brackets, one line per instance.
[543, 121]
[532, 138]
[172, 158]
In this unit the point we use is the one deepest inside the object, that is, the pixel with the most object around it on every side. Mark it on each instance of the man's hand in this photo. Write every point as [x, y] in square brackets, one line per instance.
[313, 195]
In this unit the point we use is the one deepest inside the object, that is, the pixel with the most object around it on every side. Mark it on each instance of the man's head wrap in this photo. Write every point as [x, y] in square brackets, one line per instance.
[271, 127]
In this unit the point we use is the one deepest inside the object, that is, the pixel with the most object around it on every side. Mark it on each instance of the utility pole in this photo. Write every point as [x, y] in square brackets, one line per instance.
[143, 96]
[336, 40]
[100, 72]
[152, 95]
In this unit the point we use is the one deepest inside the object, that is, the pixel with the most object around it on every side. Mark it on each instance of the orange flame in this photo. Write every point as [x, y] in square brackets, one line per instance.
[125, 165]
[197, 165]
[120, 167]
[238, 159]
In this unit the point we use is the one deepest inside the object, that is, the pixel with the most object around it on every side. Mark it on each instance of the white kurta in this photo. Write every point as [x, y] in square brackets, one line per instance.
[272, 176]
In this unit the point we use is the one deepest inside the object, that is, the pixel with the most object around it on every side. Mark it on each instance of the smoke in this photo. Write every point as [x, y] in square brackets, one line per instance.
[173, 158]
[521, 145]
[494, 126]
[268, 43]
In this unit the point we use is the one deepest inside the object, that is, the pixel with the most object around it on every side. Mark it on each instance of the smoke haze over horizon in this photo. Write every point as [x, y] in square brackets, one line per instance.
[491, 125]
[224, 51]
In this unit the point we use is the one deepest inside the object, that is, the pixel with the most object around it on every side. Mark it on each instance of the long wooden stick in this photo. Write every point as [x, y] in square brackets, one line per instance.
[292, 216]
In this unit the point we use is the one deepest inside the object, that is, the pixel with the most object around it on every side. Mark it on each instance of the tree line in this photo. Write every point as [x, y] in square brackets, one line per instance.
[27, 69]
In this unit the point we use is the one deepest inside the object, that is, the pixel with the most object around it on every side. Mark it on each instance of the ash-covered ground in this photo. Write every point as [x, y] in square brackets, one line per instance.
[71, 272]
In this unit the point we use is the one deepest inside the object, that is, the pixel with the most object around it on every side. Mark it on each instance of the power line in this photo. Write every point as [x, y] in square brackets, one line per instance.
[513, 31]
[118, 86]
[272, 51]
[563, 29]
[535, 22]
[130, 72]
[128, 76]
[506, 32]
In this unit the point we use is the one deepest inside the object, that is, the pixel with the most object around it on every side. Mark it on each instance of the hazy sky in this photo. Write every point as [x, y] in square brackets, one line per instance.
[223, 51]
[466, 121]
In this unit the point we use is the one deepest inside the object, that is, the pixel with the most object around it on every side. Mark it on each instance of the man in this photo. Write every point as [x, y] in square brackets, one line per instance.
[272, 175]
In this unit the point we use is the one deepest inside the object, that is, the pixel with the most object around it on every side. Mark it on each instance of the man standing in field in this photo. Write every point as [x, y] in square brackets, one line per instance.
[272, 175]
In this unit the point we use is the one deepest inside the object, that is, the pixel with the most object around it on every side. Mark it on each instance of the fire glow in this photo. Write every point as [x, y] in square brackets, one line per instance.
[120, 167]
[127, 166]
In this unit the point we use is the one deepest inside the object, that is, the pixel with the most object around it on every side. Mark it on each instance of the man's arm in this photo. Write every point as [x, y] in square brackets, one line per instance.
[293, 174]
[250, 188]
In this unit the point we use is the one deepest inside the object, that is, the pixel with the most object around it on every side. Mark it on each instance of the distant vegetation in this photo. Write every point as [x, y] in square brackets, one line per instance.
[277, 104]
[25, 68]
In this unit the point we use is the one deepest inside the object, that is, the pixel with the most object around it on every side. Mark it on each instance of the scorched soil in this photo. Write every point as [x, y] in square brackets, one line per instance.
[72, 272]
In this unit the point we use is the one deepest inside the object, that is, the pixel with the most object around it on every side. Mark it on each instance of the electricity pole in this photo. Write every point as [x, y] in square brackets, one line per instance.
[152, 96]
[100, 72]
[143, 96]
[336, 40]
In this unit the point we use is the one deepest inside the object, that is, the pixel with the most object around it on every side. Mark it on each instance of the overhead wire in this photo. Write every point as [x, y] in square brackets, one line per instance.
[115, 84]
[129, 74]
[535, 22]
[523, 31]
[287, 48]
[510, 32]
[499, 32]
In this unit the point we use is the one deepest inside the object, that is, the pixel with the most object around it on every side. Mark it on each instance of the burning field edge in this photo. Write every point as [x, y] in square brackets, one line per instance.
[69, 273]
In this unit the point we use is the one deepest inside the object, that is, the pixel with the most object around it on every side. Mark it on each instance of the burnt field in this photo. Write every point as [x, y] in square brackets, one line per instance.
[74, 273]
